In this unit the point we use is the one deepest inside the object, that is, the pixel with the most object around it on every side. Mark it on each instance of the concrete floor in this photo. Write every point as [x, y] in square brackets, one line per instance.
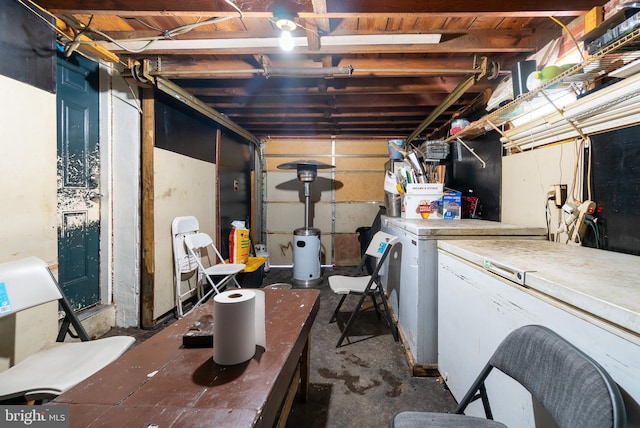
[365, 381]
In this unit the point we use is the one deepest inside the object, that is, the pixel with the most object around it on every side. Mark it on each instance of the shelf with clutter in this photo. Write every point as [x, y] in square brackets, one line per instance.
[563, 102]
[414, 182]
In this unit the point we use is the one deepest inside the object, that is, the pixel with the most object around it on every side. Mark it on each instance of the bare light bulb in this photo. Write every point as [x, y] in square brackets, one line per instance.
[286, 41]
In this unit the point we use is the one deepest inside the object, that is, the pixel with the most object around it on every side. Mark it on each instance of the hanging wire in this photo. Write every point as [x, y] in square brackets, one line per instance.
[167, 34]
[557, 21]
[33, 8]
[140, 21]
[30, 7]
[233, 5]
[71, 40]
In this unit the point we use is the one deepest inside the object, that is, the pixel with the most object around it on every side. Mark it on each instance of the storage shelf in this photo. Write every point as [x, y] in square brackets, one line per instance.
[605, 25]
[611, 57]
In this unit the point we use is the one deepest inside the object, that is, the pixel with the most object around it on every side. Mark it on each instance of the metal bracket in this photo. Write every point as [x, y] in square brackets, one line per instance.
[484, 164]
[505, 136]
[573, 125]
[482, 67]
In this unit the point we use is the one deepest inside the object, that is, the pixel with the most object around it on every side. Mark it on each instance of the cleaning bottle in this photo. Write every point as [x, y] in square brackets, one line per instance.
[549, 72]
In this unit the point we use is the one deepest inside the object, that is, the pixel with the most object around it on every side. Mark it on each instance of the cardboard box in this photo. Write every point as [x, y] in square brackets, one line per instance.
[451, 205]
[593, 18]
[418, 199]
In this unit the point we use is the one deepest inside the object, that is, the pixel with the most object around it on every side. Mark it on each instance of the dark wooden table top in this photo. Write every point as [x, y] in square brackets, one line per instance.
[163, 383]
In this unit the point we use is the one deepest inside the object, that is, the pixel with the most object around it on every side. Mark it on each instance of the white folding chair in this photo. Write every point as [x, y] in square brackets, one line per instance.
[200, 246]
[365, 285]
[185, 266]
[57, 365]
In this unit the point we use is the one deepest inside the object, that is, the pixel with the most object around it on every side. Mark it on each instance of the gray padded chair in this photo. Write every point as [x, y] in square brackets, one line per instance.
[573, 388]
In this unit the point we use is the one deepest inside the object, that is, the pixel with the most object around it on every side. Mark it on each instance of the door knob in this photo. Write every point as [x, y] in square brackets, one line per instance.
[93, 196]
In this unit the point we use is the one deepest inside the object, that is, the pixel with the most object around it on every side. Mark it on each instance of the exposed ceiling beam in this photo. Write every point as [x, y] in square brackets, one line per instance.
[472, 42]
[320, 7]
[364, 88]
[205, 63]
[217, 54]
[335, 8]
[181, 95]
[451, 98]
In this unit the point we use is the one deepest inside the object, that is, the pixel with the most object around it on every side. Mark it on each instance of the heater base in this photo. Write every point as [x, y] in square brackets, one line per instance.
[306, 257]
[306, 283]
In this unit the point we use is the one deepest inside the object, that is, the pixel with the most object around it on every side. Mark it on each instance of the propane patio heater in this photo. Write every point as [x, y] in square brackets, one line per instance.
[306, 240]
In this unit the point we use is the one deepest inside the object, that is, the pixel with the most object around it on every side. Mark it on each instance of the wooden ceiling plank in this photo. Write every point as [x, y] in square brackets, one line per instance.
[327, 61]
[107, 22]
[313, 38]
[335, 8]
[230, 63]
[322, 24]
[345, 100]
[242, 92]
[471, 41]
[391, 88]
[460, 23]
[460, 6]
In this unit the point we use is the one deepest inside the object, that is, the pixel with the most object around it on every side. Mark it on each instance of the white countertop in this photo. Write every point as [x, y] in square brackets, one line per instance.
[602, 283]
[440, 228]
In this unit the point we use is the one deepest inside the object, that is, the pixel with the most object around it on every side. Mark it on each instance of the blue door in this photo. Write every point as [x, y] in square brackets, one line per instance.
[78, 181]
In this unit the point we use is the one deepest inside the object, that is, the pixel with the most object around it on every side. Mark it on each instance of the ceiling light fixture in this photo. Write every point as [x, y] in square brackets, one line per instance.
[286, 39]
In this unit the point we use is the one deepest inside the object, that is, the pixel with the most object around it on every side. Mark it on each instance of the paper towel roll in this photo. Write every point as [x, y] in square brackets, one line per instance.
[238, 325]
